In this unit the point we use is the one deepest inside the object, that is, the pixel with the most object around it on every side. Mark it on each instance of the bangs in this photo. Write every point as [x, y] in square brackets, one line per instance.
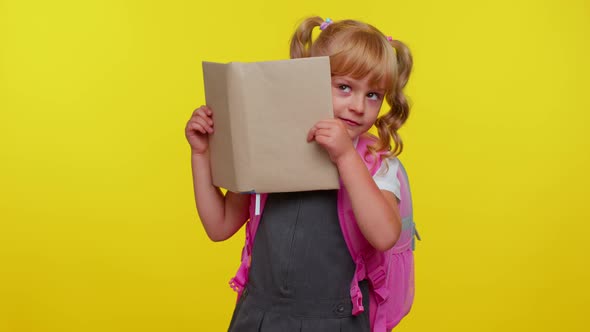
[363, 54]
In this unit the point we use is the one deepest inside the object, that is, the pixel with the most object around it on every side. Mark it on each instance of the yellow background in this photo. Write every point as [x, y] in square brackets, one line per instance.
[98, 230]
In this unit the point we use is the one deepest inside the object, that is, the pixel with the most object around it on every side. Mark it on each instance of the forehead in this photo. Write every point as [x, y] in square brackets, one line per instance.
[365, 82]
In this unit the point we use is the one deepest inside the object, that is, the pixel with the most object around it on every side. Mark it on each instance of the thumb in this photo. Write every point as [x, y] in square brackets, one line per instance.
[311, 133]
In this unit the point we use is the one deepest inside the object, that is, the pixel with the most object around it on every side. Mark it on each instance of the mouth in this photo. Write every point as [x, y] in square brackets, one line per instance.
[350, 122]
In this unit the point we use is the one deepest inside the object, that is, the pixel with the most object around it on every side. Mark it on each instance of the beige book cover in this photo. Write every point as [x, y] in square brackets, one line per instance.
[262, 112]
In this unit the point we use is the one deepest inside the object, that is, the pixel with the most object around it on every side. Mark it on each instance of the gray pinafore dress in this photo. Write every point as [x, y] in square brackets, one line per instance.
[299, 279]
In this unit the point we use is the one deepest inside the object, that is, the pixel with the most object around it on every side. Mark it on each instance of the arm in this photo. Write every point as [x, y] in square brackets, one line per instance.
[375, 210]
[221, 215]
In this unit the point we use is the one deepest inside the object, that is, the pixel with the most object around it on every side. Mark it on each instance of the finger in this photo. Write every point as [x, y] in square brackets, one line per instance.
[197, 109]
[200, 128]
[326, 124]
[195, 127]
[206, 110]
[205, 128]
[340, 123]
[203, 109]
[205, 124]
[202, 113]
[325, 132]
[311, 134]
[322, 140]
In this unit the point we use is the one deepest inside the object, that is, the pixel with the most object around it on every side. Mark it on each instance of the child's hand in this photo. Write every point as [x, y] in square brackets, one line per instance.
[333, 136]
[198, 128]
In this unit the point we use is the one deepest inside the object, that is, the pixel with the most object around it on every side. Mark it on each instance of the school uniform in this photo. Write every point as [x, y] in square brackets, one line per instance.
[301, 269]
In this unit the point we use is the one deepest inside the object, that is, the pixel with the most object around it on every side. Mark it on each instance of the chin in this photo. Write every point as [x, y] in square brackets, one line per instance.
[351, 134]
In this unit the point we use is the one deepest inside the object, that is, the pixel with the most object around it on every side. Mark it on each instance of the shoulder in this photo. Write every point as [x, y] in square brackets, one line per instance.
[389, 166]
[392, 162]
[386, 176]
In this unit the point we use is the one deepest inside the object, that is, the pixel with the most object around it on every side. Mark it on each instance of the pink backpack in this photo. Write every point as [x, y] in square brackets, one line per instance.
[390, 273]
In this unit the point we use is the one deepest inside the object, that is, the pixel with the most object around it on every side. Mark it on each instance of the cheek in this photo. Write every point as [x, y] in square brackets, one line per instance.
[374, 110]
[371, 118]
[335, 95]
[336, 102]
[374, 115]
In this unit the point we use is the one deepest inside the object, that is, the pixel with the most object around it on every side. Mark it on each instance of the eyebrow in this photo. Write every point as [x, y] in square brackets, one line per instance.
[380, 90]
[373, 88]
[340, 78]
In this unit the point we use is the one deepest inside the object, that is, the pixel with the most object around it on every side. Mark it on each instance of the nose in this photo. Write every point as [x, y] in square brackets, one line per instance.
[357, 104]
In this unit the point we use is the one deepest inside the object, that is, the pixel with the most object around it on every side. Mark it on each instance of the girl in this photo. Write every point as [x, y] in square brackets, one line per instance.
[299, 272]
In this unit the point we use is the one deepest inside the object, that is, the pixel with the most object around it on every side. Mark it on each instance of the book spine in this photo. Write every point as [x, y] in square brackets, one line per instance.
[237, 106]
[220, 148]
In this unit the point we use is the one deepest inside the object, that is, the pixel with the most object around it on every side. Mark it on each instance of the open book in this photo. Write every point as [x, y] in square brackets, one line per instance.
[262, 112]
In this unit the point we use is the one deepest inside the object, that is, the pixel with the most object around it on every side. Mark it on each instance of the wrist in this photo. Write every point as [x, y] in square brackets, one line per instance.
[200, 154]
[347, 157]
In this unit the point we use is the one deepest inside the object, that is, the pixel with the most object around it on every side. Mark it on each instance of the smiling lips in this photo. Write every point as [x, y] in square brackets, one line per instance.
[350, 122]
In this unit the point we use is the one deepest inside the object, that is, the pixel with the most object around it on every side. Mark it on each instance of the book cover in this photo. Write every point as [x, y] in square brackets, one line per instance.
[262, 112]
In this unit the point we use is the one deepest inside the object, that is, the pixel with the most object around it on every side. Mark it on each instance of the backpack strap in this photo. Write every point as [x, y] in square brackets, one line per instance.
[376, 265]
[370, 263]
[357, 245]
[238, 282]
[409, 233]
[399, 265]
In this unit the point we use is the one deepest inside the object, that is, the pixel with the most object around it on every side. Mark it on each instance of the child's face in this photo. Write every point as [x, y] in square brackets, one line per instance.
[356, 102]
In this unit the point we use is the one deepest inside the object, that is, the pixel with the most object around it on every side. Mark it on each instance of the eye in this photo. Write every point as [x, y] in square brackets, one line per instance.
[374, 96]
[344, 87]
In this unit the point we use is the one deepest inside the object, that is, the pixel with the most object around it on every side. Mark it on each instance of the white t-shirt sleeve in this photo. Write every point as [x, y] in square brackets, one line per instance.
[386, 178]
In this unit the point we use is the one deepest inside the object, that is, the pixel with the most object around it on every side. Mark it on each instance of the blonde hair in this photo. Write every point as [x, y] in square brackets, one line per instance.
[359, 50]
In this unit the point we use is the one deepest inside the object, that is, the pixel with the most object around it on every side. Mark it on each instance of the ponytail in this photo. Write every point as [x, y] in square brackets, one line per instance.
[388, 124]
[302, 38]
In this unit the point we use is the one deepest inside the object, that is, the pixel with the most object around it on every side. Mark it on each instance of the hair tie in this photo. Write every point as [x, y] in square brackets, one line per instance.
[389, 38]
[325, 23]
